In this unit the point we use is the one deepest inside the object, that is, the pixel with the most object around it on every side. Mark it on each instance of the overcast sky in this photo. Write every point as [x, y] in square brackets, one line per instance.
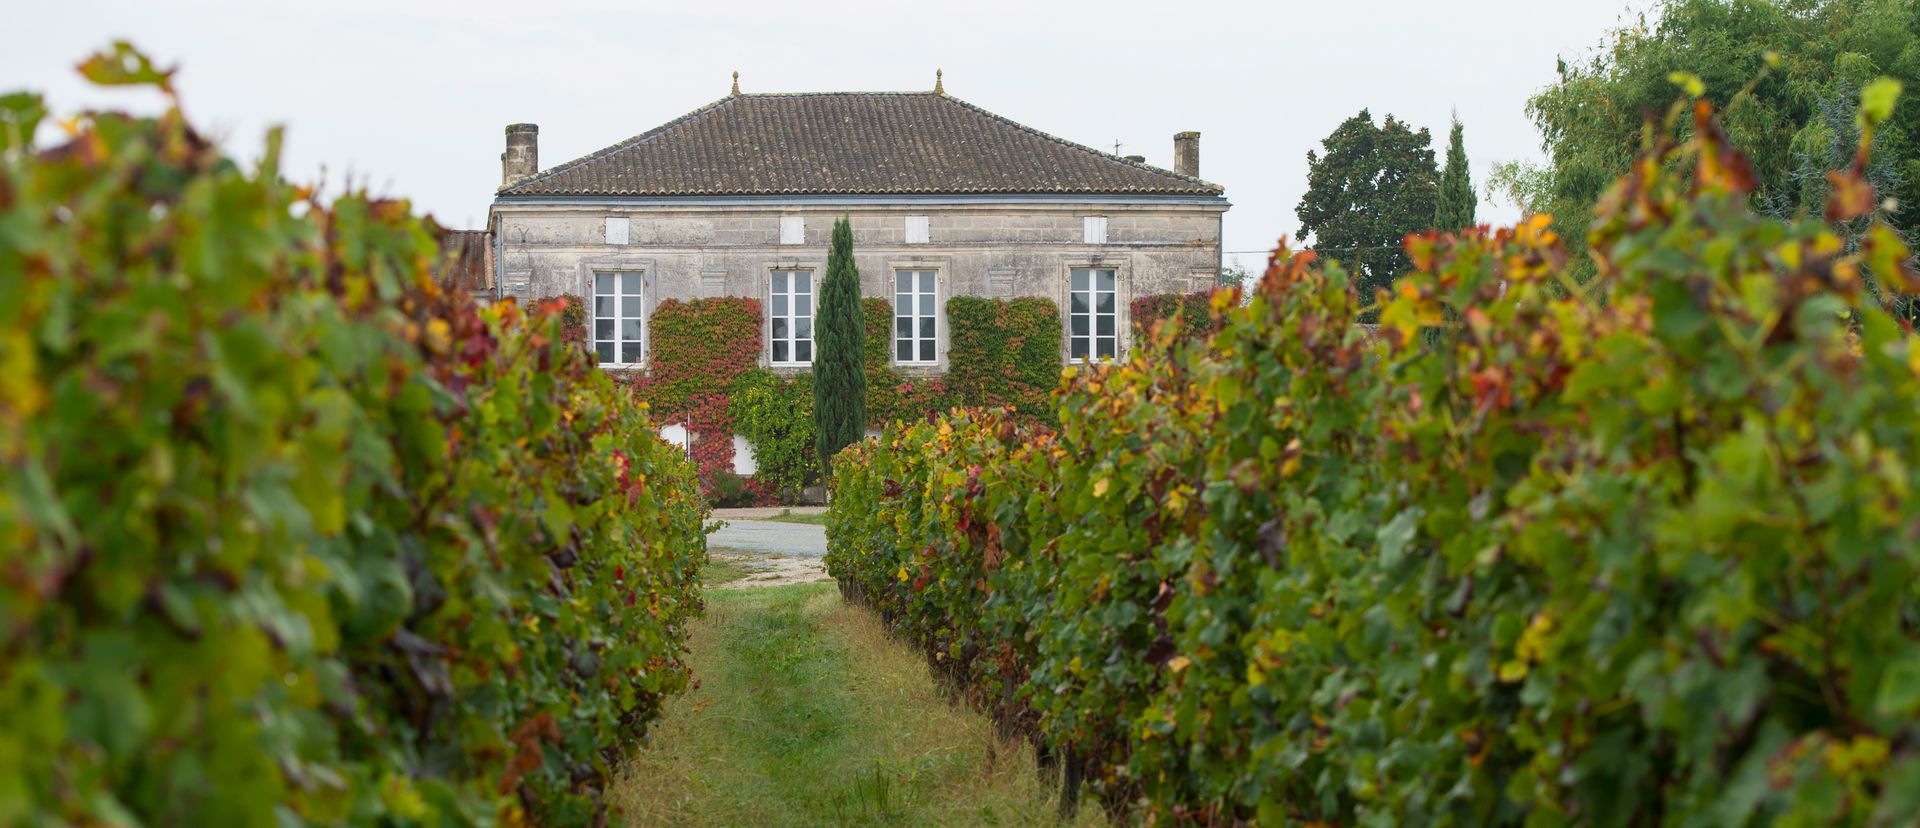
[410, 98]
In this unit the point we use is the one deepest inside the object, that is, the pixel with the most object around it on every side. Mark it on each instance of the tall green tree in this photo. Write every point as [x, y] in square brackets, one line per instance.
[839, 371]
[1373, 186]
[1457, 201]
[1795, 123]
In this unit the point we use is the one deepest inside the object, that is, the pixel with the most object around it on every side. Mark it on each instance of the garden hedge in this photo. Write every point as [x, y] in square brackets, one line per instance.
[1634, 552]
[292, 536]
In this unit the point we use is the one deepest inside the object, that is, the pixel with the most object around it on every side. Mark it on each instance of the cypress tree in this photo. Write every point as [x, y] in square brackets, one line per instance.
[839, 372]
[1457, 203]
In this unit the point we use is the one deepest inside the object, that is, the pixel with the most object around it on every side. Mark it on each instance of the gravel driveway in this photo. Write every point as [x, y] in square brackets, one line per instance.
[802, 539]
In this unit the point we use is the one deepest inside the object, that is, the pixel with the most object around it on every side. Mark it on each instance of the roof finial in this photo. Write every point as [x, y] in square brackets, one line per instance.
[736, 82]
[939, 87]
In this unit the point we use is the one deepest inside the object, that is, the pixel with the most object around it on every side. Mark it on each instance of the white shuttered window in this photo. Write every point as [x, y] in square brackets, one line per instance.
[790, 318]
[1093, 229]
[917, 231]
[1092, 315]
[619, 319]
[916, 303]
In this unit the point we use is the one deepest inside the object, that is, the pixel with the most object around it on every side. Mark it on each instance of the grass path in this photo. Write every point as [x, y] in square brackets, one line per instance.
[807, 714]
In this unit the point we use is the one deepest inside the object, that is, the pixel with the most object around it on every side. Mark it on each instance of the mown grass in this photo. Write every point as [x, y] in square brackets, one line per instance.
[808, 714]
[719, 570]
[788, 516]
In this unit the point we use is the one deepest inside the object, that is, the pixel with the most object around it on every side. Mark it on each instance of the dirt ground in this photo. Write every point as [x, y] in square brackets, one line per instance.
[745, 568]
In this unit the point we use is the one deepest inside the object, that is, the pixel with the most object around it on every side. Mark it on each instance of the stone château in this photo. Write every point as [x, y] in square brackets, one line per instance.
[738, 198]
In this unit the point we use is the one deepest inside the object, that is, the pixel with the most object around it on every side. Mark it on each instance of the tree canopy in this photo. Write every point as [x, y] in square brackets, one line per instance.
[1807, 61]
[1371, 187]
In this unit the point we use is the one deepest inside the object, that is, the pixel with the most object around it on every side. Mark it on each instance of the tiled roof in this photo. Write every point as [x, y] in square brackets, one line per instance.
[844, 143]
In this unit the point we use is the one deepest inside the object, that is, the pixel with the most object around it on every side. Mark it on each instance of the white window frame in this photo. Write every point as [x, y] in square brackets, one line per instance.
[918, 230]
[618, 229]
[782, 284]
[919, 308]
[1092, 316]
[1093, 229]
[793, 229]
[619, 297]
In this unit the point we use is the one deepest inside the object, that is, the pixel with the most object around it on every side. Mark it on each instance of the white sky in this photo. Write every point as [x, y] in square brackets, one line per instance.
[410, 97]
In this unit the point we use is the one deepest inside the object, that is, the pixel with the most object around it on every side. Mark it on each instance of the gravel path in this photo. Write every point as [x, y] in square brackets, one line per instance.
[801, 539]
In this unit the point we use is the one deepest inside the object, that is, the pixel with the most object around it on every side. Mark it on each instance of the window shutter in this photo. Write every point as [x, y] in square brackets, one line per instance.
[917, 230]
[617, 229]
[1094, 229]
[793, 230]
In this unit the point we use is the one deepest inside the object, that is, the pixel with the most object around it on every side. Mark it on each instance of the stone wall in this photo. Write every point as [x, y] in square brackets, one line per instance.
[993, 250]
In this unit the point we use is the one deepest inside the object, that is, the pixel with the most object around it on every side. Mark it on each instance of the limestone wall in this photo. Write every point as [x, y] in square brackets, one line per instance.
[977, 249]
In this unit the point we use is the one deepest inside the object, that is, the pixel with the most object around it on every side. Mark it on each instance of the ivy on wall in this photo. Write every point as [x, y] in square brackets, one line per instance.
[891, 393]
[1188, 312]
[1004, 353]
[703, 373]
[701, 345]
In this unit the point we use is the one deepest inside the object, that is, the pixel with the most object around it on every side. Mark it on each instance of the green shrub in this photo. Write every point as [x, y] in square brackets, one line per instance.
[775, 414]
[292, 537]
[1639, 554]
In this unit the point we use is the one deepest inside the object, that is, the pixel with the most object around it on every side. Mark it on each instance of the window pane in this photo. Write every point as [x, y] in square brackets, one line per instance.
[803, 351]
[903, 304]
[603, 283]
[603, 305]
[602, 329]
[630, 352]
[1079, 347]
[1079, 279]
[1079, 304]
[803, 282]
[926, 282]
[1103, 302]
[903, 350]
[630, 284]
[779, 304]
[779, 351]
[605, 349]
[1105, 327]
[779, 329]
[1103, 280]
[926, 350]
[779, 282]
[1105, 344]
[926, 327]
[803, 305]
[903, 281]
[903, 326]
[803, 328]
[630, 307]
[630, 330]
[1079, 325]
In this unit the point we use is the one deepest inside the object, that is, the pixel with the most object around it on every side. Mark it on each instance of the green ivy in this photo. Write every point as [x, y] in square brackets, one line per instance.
[1004, 353]
[1186, 312]
[775, 414]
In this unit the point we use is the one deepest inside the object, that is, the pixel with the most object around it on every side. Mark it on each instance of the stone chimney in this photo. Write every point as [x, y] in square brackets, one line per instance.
[1186, 154]
[522, 158]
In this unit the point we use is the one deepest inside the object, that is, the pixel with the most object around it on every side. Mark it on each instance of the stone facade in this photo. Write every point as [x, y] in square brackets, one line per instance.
[705, 206]
[997, 249]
